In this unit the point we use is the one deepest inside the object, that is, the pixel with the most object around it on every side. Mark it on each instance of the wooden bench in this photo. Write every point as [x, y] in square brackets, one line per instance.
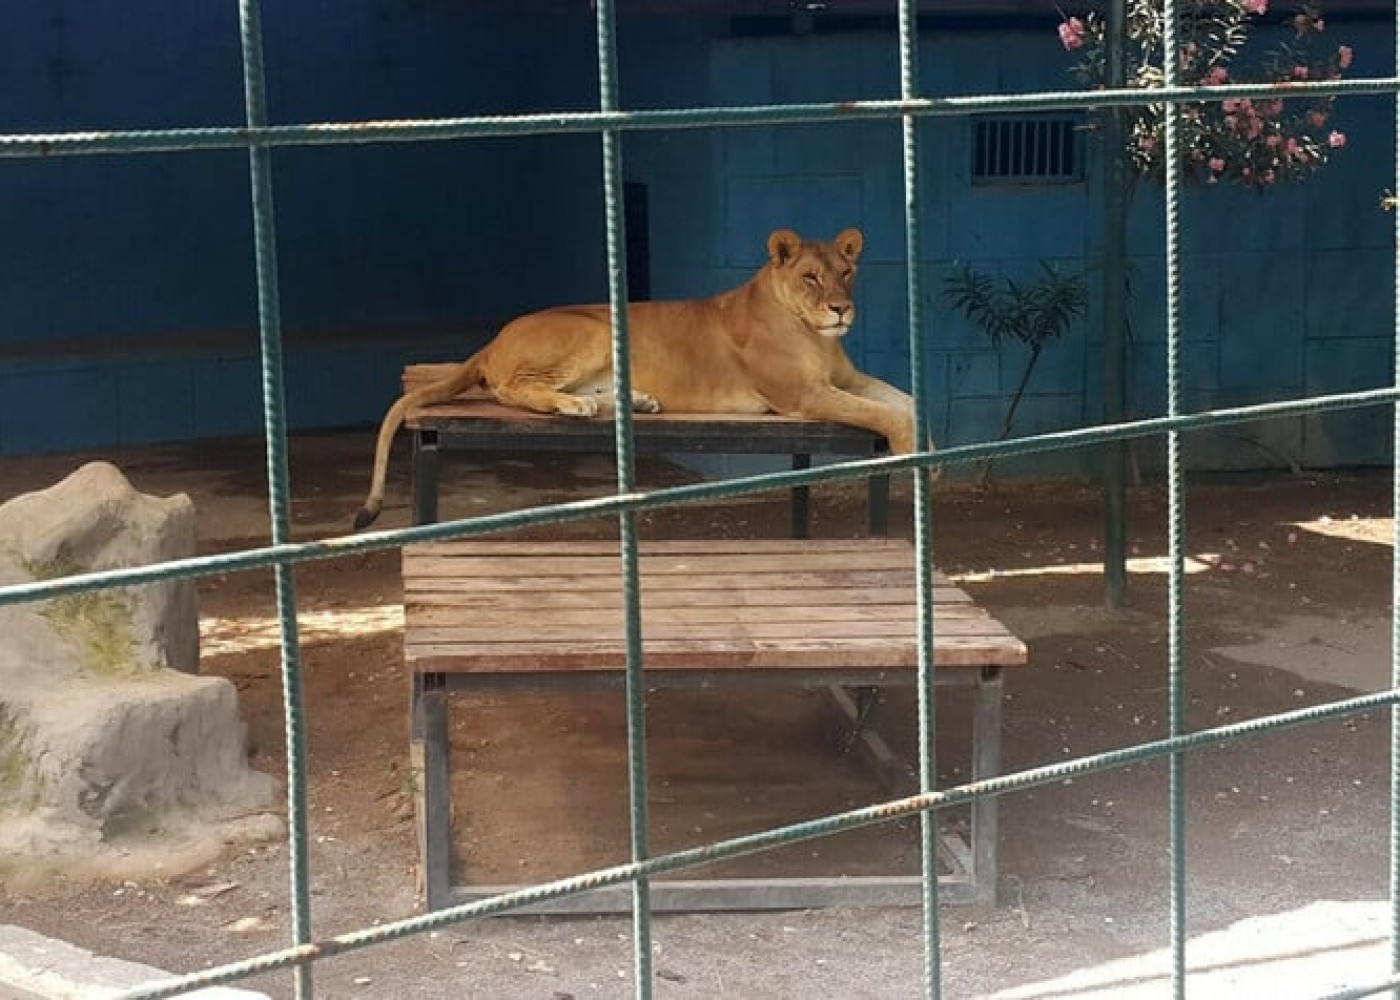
[477, 423]
[546, 616]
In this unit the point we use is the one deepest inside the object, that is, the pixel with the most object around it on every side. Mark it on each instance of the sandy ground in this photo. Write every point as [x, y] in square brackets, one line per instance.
[1288, 601]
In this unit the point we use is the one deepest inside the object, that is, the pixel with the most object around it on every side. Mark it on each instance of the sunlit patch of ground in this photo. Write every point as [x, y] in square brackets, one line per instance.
[1198, 563]
[222, 636]
[1376, 530]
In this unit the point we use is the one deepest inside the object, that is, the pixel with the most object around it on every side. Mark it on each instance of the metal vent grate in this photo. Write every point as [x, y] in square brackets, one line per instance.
[1040, 149]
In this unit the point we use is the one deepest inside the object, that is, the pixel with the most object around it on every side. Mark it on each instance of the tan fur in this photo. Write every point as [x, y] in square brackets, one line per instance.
[772, 345]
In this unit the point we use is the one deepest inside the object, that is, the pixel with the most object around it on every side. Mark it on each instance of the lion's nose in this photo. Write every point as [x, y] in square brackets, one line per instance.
[840, 309]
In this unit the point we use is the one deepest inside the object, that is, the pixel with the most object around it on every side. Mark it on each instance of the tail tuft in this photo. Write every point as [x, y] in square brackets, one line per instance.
[365, 517]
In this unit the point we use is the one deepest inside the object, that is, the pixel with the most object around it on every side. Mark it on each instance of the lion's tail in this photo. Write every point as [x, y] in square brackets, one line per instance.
[466, 375]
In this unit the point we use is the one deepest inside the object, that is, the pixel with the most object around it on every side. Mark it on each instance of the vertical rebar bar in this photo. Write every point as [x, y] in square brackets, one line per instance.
[1176, 500]
[635, 692]
[923, 557]
[278, 488]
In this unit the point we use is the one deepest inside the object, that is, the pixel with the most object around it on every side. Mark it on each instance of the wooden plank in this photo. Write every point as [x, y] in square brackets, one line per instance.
[608, 628]
[445, 615]
[890, 580]
[609, 547]
[869, 652]
[651, 566]
[437, 593]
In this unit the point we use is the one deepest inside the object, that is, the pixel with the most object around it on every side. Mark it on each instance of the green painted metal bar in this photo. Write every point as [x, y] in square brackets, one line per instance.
[635, 686]
[1395, 582]
[278, 489]
[724, 850]
[1114, 277]
[579, 510]
[1176, 501]
[446, 129]
[923, 544]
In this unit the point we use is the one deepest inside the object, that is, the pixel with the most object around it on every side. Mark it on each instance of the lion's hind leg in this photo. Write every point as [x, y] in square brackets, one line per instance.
[530, 394]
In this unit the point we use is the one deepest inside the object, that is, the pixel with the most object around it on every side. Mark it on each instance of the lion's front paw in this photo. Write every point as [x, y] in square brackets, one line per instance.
[644, 403]
[578, 406]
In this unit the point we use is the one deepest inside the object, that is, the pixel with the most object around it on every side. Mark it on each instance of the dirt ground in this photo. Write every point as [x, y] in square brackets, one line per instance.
[1288, 599]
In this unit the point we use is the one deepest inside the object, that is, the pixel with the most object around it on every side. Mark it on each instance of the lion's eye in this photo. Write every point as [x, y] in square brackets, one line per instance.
[811, 278]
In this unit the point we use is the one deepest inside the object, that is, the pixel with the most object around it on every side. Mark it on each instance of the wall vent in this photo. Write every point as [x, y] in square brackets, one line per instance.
[1027, 149]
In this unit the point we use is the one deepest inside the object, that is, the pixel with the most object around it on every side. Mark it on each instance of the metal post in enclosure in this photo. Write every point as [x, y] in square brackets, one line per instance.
[1176, 500]
[1114, 276]
[923, 557]
[626, 483]
[278, 481]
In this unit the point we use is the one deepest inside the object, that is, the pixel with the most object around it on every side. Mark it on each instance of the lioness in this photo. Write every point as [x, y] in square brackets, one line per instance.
[772, 345]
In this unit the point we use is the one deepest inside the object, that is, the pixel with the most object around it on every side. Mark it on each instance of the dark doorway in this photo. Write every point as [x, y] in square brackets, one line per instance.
[634, 201]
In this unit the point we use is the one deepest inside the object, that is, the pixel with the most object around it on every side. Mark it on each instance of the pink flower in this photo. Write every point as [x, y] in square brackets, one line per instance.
[1216, 164]
[1344, 55]
[1256, 6]
[1317, 119]
[1268, 177]
[1217, 76]
[1072, 34]
[1291, 147]
[1300, 72]
[1273, 140]
[1230, 105]
[1336, 140]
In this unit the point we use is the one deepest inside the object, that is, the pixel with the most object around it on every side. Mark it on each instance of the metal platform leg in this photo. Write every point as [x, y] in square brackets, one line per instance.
[433, 789]
[801, 498]
[879, 506]
[986, 763]
[425, 476]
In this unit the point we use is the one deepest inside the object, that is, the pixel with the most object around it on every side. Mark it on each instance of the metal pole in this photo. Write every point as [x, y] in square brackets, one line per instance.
[1116, 191]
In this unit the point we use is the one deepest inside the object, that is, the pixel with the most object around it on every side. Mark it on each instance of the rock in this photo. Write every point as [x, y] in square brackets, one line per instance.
[95, 520]
[100, 740]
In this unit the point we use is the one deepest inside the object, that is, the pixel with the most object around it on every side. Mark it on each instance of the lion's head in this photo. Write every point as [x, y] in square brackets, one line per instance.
[813, 279]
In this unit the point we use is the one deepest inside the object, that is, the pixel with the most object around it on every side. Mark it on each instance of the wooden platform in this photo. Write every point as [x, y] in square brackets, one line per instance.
[536, 616]
[476, 422]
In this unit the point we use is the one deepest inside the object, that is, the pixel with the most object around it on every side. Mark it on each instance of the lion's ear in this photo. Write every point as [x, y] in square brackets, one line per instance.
[783, 245]
[850, 242]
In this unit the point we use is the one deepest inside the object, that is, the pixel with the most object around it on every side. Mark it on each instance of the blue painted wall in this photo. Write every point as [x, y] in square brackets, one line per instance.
[1286, 294]
[130, 290]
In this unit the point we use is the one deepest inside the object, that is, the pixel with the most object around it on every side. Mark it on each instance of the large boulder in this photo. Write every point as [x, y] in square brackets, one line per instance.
[95, 520]
[106, 733]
